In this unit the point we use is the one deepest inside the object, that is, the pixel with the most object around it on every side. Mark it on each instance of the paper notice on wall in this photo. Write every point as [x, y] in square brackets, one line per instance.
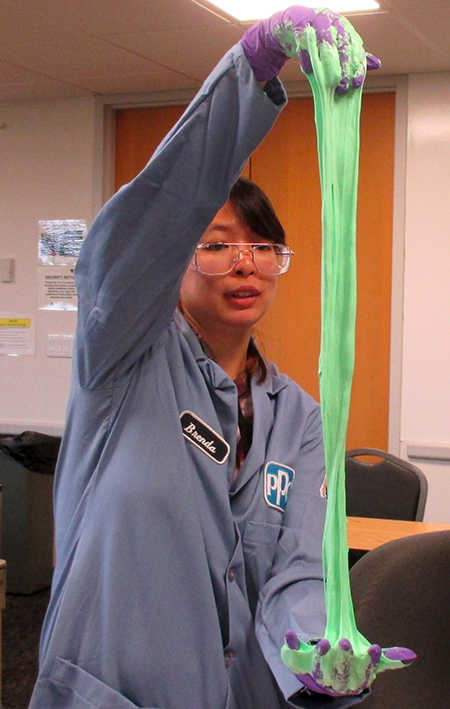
[16, 334]
[57, 290]
[60, 241]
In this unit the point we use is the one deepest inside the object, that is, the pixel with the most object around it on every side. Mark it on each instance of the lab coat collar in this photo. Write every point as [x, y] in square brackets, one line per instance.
[215, 374]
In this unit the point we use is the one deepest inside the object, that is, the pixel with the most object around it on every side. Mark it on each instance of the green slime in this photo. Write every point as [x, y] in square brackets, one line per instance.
[337, 123]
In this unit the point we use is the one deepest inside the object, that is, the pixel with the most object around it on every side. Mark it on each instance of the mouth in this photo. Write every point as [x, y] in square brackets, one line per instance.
[243, 296]
[243, 292]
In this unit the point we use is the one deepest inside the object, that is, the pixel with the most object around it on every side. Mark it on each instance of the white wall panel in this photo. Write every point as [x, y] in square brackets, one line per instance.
[48, 167]
[425, 410]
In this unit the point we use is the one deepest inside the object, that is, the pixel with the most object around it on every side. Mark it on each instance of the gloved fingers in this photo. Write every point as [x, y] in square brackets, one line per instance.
[311, 684]
[402, 654]
[332, 669]
[300, 650]
[337, 32]
[305, 61]
[270, 42]
[346, 50]
[375, 653]
[372, 62]
[340, 669]
[358, 81]
[314, 679]
[292, 640]
[329, 27]
[345, 645]
[322, 647]
[394, 657]
[338, 48]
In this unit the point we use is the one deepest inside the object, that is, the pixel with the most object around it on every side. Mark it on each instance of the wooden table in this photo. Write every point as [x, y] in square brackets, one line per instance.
[365, 533]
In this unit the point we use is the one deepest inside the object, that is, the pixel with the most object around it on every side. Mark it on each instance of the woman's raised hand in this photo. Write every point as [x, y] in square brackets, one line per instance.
[270, 42]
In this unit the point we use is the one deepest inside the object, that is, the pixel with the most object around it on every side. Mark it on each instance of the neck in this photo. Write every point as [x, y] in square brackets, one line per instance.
[229, 346]
[232, 357]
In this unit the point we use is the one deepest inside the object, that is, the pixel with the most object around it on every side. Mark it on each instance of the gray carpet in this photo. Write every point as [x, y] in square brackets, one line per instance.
[22, 622]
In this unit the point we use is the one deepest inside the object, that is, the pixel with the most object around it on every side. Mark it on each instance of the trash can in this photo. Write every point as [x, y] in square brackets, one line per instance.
[27, 464]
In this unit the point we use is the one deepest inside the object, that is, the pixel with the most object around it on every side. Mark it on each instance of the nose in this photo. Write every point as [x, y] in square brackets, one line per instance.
[245, 264]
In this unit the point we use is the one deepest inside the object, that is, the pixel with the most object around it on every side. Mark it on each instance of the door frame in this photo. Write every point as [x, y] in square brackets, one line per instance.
[104, 180]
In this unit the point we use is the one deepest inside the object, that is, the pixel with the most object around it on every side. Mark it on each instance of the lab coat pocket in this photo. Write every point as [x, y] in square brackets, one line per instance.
[80, 690]
[259, 542]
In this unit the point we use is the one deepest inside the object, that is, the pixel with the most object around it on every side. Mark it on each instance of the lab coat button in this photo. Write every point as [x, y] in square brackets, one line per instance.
[228, 656]
[231, 575]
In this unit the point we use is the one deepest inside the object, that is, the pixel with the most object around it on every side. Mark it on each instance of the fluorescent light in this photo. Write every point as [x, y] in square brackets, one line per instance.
[248, 10]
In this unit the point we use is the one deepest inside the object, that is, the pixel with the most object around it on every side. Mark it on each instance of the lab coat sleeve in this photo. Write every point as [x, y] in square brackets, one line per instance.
[130, 268]
[293, 597]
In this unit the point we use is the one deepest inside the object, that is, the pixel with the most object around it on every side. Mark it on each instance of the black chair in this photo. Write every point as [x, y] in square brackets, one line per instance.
[388, 489]
[400, 596]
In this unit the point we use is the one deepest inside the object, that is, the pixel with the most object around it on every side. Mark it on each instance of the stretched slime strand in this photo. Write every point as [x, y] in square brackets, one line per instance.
[343, 662]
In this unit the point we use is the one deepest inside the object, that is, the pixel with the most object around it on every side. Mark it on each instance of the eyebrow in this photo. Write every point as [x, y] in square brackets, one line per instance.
[219, 227]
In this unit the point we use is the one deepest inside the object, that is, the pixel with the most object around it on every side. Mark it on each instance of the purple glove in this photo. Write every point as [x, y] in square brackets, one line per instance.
[269, 43]
[339, 671]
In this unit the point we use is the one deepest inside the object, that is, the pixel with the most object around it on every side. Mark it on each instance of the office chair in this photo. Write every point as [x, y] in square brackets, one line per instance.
[400, 596]
[389, 489]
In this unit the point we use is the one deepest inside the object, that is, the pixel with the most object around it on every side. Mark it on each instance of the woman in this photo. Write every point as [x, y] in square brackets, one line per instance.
[188, 528]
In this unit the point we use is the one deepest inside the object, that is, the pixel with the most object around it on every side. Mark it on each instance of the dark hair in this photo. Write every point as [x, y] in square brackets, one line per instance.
[256, 211]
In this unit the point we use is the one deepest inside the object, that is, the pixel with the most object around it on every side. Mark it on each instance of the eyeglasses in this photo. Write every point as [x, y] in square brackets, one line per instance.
[219, 258]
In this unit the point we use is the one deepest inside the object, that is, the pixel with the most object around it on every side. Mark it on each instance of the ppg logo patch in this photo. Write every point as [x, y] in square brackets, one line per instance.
[278, 479]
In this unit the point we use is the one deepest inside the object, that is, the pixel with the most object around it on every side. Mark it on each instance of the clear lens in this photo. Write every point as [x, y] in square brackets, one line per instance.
[271, 259]
[217, 259]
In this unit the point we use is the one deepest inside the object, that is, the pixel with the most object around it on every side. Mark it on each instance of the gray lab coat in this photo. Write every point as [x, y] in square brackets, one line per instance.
[173, 590]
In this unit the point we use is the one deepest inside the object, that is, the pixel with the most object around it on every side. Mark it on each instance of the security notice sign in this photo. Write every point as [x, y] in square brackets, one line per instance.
[16, 334]
[57, 290]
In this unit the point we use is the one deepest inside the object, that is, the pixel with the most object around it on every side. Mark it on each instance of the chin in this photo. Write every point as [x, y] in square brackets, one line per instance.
[243, 322]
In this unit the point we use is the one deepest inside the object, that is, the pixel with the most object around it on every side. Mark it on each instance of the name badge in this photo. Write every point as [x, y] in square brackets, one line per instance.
[204, 437]
[278, 481]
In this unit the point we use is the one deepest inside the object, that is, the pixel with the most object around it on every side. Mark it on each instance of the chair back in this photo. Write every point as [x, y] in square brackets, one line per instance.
[400, 596]
[390, 488]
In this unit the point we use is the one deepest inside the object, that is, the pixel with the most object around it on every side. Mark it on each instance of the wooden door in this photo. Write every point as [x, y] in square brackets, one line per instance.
[285, 166]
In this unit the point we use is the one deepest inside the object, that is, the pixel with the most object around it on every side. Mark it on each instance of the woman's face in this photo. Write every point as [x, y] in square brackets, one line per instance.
[237, 299]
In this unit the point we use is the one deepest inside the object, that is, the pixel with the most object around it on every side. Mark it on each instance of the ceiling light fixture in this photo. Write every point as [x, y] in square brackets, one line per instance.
[251, 10]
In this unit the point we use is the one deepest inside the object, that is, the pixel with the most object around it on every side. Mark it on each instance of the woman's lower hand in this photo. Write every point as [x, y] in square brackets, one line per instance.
[338, 670]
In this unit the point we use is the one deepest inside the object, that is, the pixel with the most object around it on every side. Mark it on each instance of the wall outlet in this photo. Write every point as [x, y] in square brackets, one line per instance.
[60, 345]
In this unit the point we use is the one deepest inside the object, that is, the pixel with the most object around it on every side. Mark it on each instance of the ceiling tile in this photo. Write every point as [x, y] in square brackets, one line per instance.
[104, 17]
[382, 33]
[17, 84]
[404, 7]
[193, 52]
[135, 83]
[53, 49]
[431, 26]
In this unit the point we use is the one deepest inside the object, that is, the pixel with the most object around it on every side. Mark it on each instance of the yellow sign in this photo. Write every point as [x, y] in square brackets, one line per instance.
[15, 322]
